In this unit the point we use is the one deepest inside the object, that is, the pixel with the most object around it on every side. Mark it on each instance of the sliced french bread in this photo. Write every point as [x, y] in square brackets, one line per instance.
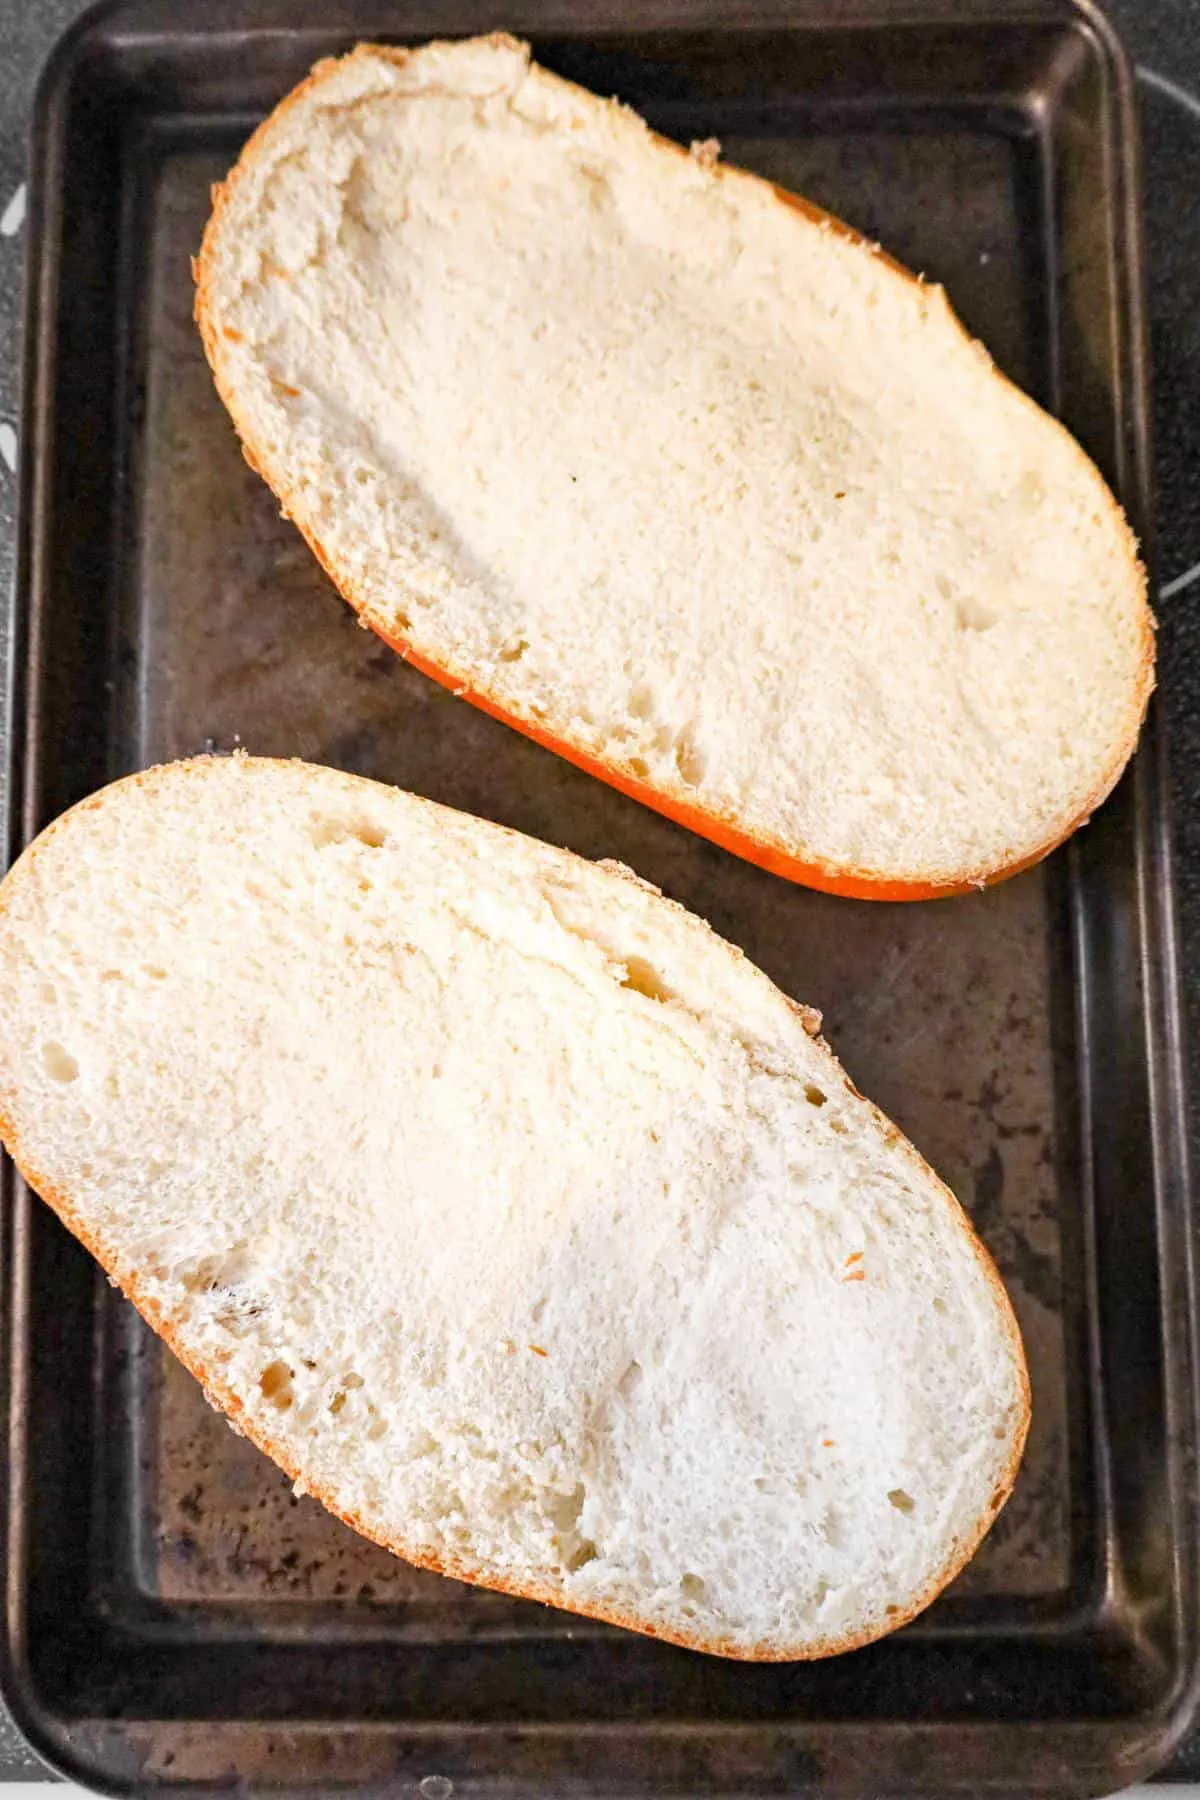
[673, 473]
[510, 1210]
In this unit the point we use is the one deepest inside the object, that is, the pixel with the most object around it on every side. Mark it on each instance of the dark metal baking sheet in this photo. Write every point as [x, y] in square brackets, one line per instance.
[175, 1615]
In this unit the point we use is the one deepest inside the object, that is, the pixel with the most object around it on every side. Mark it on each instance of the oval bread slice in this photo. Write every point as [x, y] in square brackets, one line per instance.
[513, 1212]
[673, 473]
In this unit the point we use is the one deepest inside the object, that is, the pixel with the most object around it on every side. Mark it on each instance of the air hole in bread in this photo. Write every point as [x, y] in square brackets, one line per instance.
[198, 1278]
[643, 978]
[575, 1551]
[346, 1386]
[599, 190]
[376, 1430]
[902, 1501]
[630, 1381]
[639, 766]
[939, 1305]
[641, 703]
[225, 1270]
[58, 1062]
[972, 614]
[690, 760]
[814, 1095]
[563, 1510]
[515, 651]
[692, 1587]
[276, 1385]
[239, 1315]
[341, 831]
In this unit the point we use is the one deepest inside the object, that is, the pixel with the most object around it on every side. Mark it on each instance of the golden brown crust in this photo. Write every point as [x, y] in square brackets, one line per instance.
[794, 863]
[225, 1400]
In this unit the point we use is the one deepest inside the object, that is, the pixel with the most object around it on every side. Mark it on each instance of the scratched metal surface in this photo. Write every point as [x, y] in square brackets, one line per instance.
[948, 1016]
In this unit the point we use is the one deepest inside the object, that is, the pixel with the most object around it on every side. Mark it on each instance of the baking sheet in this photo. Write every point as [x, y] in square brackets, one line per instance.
[208, 1625]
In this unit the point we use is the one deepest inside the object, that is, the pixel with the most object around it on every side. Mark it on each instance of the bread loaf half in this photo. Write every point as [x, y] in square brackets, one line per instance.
[673, 473]
[513, 1212]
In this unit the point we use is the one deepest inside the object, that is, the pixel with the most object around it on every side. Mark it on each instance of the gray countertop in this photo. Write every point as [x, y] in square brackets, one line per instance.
[1164, 38]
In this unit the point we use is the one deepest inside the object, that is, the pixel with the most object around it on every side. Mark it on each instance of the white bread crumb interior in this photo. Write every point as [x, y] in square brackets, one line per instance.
[709, 491]
[514, 1212]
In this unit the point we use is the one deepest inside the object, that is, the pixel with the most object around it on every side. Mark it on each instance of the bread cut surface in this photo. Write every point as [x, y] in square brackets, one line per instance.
[513, 1212]
[673, 475]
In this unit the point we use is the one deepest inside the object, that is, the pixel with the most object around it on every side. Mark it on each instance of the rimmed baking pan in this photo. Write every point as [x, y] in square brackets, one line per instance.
[175, 1616]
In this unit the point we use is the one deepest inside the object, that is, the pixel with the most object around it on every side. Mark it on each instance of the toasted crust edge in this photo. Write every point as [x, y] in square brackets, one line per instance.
[794, 863]
[224, 1400]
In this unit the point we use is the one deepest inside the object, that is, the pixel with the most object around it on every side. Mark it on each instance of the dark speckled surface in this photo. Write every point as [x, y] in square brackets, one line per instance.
[1164, 38]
